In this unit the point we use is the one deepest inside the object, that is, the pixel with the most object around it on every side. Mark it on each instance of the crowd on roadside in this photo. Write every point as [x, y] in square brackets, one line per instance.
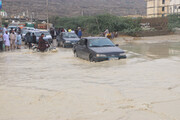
[110, 35]
[56, 32]
[10, 40]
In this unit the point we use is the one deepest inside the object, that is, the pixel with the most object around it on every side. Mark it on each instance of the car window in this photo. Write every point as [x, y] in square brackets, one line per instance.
[100, 42]
[69, 35]
[37, 34]
[24, 32]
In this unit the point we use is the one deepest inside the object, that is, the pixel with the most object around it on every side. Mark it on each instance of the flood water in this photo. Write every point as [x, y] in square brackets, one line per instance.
[58, 86]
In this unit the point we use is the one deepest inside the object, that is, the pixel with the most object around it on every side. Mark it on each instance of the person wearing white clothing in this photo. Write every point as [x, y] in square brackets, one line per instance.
[6, 41]
[12, 38]
[4, 29]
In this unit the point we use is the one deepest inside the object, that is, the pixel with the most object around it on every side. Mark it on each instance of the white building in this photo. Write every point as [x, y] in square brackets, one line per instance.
[174, 6]
[160, 8]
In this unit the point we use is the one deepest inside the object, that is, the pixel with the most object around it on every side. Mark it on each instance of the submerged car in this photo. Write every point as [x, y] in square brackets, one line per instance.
[96, 49]
[67, 39]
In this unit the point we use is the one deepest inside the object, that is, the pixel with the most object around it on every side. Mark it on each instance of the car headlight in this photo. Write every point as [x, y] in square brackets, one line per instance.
[122, 54]
[101, 55]
[68, 41]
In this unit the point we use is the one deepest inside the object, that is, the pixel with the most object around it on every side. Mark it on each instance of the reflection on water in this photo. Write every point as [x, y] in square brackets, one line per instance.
[154, 50]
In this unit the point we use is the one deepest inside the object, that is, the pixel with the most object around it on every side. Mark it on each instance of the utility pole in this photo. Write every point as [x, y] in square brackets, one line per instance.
[0, 15]
[47, 3]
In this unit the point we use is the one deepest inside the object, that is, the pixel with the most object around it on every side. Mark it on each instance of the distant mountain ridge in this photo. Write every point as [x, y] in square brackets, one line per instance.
[75, 7]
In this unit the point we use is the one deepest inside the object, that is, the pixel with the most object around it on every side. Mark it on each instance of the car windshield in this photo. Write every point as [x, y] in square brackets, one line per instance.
[100, 42]
[24, 32]
[69, 35]
[30, 28]
[37, 34]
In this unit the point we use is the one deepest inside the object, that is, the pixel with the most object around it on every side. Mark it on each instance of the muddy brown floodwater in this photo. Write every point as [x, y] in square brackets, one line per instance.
[57, 86]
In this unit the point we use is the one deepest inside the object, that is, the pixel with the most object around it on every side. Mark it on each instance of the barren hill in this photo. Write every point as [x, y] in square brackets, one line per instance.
[75, 7]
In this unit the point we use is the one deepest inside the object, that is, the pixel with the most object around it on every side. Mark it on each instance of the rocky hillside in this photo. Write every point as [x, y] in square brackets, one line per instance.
[75, 7]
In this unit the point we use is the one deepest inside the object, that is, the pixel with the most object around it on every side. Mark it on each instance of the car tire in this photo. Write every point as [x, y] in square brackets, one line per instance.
[91, 59]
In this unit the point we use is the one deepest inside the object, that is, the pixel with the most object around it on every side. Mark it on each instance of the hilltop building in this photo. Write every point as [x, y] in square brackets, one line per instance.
[160, 8]
[3, 14]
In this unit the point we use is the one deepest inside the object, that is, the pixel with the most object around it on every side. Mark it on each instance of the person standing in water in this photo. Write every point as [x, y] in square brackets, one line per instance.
[12, 38]
[19, 40]
[29, 40]
[33, 38]
[1, 42]
[6, 41]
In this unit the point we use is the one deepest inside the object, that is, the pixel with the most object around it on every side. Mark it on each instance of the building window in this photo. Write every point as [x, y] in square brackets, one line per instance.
[163, 1]
[163, 8]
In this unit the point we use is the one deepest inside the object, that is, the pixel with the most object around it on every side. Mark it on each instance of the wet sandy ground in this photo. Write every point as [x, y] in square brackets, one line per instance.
[57, 86]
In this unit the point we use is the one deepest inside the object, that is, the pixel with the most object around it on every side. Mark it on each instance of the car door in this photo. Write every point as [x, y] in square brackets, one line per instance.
[78, 48]
[83, 49]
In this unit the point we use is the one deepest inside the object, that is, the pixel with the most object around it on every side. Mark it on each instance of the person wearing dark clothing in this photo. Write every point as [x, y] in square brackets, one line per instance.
[79, 33]
[76, 31]
[1, 43]
[43, 45]
[19, 30]
[29, 40]
[33, 38]
[59, 31]
[62, 30]
[52, 32]
[11, 30]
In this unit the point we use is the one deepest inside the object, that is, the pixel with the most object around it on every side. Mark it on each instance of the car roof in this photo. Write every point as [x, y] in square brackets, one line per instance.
[93, 37]
[43, 30]
[12, 26]
[67, 32]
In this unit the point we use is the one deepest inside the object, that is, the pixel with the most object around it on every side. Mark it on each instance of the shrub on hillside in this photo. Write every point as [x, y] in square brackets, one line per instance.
[98, 24]
[173, 21]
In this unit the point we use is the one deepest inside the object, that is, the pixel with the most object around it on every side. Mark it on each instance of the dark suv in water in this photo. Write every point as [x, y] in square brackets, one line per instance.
[97, 49]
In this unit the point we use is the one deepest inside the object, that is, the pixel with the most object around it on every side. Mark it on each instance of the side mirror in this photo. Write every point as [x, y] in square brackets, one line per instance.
[117, 45]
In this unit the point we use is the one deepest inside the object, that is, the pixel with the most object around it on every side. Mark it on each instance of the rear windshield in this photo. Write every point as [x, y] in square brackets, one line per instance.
[45, 33]
[69, 35]
[37, 34]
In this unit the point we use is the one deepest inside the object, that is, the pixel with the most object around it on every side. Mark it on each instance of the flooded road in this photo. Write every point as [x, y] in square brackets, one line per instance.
[57, 86]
